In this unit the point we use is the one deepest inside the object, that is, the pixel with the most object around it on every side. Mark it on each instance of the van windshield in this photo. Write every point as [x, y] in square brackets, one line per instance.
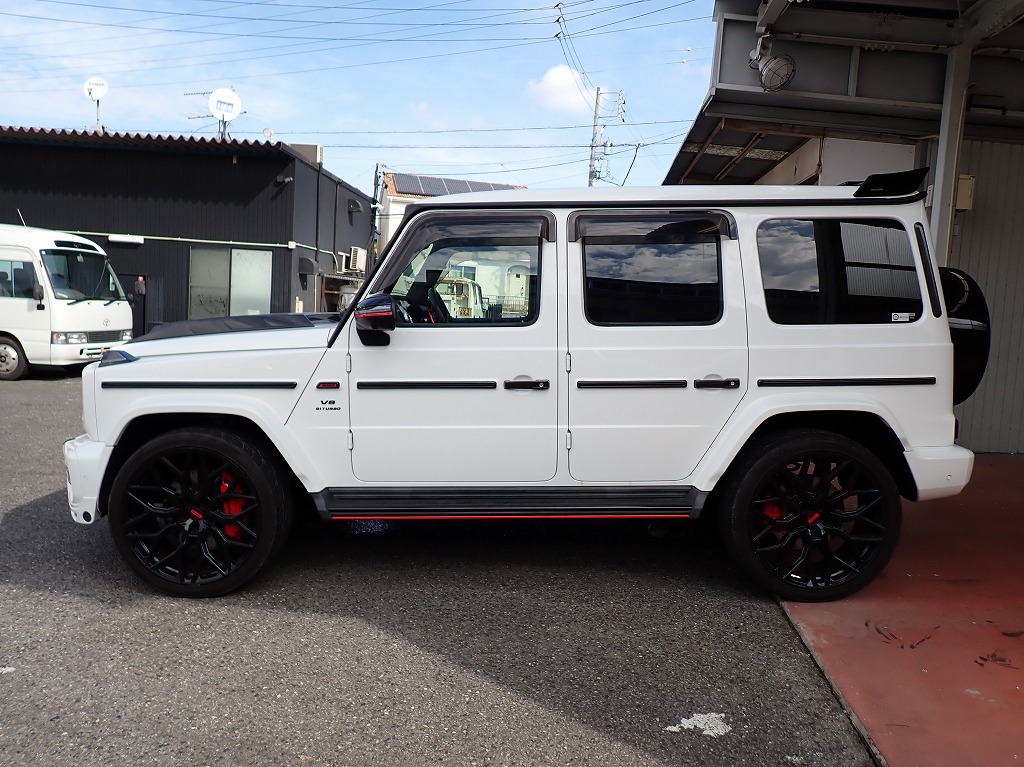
[81, 275]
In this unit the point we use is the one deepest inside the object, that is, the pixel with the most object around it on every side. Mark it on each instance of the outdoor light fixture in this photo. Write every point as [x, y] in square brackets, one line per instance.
[774, 72]
[126, 239]
[777, 72]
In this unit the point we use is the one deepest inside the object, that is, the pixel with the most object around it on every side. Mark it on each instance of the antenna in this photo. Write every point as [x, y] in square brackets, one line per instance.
[96, 88]
[225, 105]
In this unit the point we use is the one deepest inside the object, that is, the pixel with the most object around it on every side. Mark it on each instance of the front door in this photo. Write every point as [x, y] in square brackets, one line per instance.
[466, 389]
[658, 355]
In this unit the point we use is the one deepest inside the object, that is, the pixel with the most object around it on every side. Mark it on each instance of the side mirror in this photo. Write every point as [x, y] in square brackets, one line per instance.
[37, 292]
[375, 316]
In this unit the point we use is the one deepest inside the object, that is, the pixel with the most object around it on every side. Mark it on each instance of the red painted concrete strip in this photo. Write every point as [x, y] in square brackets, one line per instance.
[930, 657]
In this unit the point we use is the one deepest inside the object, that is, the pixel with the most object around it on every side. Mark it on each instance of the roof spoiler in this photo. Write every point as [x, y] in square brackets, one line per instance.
[899, 184]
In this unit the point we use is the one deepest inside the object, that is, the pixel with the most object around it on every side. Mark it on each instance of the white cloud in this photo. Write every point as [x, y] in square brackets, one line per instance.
[562, 90]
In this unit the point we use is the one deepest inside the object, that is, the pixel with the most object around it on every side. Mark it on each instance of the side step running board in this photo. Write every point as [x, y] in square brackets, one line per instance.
[503, 502]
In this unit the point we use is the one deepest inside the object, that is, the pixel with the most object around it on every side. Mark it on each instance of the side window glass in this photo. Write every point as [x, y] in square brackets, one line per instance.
[651, 270]
[835, 271]
[478, 270]
[6, 283]
[17, 279]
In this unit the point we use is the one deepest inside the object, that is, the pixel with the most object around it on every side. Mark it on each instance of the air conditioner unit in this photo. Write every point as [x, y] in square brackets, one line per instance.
[355, 260]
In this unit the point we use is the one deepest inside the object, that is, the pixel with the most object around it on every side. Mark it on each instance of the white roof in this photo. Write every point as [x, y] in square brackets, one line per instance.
[36, 238]
[686, 194]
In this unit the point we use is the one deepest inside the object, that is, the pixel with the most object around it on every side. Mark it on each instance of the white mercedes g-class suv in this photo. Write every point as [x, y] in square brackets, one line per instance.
[778, 356]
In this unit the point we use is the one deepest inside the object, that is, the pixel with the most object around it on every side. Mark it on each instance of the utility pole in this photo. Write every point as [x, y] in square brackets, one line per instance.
[593, 139]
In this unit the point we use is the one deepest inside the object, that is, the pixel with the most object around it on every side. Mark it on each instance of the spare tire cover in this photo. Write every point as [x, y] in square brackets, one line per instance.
[969, 330]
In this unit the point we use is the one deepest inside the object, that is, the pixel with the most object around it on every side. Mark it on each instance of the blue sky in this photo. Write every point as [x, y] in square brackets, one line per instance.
[492, 90]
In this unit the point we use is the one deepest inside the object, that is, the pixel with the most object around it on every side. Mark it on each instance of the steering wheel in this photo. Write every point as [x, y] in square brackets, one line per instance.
[438, 311]
[403, 313]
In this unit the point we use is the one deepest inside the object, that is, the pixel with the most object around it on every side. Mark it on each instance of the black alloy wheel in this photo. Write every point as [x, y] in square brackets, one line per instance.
[812, 516]
[196, 512]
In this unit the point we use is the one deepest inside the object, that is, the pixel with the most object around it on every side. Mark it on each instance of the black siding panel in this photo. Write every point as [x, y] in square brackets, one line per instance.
[156, 191]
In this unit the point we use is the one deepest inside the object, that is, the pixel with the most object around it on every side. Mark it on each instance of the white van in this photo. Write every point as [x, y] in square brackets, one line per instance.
[60, 301]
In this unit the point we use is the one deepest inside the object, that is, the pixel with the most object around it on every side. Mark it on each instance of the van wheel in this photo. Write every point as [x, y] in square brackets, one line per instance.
[13, 364]
[197, 512]
[811, 515]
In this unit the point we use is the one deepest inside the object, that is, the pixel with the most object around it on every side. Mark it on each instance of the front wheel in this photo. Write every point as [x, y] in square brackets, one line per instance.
[197, 512]
[13, 364]
[811, 515]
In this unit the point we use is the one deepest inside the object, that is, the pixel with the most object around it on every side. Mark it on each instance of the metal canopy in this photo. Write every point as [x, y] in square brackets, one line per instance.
[864, 70]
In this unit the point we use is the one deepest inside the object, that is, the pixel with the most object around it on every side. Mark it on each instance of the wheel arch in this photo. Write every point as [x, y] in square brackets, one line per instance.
[866, 428]
[144, 428]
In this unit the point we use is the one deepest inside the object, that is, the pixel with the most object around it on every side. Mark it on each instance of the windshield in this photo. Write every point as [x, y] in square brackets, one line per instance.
[79, 275]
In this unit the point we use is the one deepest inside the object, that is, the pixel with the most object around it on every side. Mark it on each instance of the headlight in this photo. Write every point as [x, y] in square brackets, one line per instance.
[69, 338]
[126, 335]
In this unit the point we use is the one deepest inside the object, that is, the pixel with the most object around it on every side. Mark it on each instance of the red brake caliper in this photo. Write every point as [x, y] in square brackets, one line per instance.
[232, 507]
[773, 511]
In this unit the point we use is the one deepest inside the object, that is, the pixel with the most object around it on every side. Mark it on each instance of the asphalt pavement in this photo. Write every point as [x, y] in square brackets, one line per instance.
[533, 643]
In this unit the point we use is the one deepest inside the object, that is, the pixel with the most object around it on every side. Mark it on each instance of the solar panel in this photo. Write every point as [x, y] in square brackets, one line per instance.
[433, 187]
[406, 183]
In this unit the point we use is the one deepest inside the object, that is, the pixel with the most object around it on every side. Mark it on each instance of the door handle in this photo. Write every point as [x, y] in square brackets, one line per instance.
[716, 383]
[531, 384]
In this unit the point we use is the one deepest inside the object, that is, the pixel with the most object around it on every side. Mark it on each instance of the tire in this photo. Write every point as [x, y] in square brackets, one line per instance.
[198, 512]
[13, 364]
[810, 515]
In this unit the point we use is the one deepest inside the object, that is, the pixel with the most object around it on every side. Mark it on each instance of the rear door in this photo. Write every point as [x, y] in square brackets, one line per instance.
[657, 341]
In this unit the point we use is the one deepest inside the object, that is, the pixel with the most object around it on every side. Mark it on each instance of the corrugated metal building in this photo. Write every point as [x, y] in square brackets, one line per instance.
[215, 227]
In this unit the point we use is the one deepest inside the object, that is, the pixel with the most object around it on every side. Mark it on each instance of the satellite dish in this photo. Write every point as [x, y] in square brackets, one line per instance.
[268, 134]
[95, 88]
[225, 104]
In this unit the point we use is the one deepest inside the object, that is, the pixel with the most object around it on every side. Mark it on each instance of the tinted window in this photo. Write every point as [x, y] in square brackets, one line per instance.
[17, 279]
[650, 270]
[833, 271]
[478, 270]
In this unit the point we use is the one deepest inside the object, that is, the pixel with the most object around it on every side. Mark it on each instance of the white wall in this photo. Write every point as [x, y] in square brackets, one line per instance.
[797, 168]
[389, 217]
[848, 160]
[840, 160]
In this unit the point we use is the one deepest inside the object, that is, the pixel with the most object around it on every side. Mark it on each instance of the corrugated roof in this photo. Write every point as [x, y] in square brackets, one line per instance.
[139, 141]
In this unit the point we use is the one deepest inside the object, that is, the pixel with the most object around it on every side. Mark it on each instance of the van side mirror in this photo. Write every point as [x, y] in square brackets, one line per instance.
[37, 292]
[375, 316]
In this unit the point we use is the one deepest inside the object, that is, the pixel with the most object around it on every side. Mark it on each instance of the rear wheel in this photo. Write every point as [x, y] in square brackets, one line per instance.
[13, 364]
[811, 515]
[197, 512]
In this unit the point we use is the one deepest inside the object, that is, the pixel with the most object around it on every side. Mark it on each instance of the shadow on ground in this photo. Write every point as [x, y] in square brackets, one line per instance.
[596, 620]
